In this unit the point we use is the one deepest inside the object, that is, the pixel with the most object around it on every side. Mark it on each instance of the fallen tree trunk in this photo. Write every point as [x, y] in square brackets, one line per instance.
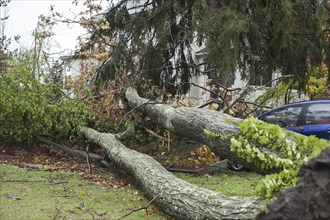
[191, 123]
[174, 196]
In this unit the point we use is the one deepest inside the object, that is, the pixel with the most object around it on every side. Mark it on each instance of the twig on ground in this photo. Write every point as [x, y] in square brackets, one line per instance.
[157, 135]
[13, 197]
[57, 211]
[71, 151]
[34, 167]
[61, 182]
[138, 209]
[233, 172]
[65, 196]
[87, 159]
[23, 181]
[90, 212]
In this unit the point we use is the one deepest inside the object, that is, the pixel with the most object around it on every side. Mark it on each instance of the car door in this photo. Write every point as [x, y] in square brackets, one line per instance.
[316, 120]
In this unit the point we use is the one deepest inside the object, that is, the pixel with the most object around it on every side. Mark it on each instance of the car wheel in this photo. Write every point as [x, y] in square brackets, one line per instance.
[236, 167]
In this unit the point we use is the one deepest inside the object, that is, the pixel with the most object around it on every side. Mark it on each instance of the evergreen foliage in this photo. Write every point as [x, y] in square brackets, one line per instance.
[155, 39]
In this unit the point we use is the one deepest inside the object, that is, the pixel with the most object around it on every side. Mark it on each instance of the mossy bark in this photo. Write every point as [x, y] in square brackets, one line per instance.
[174, 196]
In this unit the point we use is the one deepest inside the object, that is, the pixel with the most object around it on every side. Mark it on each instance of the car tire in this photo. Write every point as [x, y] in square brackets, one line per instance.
[236, 167]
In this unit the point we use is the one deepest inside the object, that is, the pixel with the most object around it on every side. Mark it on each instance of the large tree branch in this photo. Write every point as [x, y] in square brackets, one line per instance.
[174, 196]
[192, 122]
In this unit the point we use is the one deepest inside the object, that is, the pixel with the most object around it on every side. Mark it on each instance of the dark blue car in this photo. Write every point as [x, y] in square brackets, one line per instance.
[307, 117]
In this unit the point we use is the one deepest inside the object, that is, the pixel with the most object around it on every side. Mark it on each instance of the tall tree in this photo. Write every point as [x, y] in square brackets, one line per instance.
[155, 39]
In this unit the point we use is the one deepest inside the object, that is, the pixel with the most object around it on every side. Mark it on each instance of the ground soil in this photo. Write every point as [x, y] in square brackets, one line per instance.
[46, 158]
[40, 156]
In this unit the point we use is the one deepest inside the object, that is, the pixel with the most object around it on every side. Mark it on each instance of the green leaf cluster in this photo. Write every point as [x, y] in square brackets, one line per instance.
[277, 181]
[31, 106]
[269, 146]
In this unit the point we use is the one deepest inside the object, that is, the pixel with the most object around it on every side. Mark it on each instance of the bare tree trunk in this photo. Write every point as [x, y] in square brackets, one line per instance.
[191, 123]
[174, 196]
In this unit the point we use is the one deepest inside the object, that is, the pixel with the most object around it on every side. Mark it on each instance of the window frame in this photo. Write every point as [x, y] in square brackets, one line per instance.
[305, 113]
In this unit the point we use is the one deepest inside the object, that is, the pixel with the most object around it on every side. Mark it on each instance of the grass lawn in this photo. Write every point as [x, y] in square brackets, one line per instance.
[238, 184]
[61, 195]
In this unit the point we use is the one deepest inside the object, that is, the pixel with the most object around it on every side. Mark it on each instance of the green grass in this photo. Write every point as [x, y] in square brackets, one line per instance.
[43, 196]
[76, 199]
[239, 184]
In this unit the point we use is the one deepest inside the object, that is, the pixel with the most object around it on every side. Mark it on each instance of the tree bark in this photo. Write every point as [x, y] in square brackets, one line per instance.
[191, 122]
[175, 197]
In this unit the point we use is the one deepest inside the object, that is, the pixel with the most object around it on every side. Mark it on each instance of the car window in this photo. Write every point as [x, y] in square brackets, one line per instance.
[318, 114]
[287, 116]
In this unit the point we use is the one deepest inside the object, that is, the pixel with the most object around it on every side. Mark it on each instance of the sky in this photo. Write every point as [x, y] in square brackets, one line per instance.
[23, 17]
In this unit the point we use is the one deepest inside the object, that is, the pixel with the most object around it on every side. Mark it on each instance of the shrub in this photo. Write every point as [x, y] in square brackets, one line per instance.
[30, 105]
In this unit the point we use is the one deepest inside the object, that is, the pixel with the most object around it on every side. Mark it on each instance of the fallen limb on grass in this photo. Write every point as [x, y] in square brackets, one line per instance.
[175, 197]
[73, 152]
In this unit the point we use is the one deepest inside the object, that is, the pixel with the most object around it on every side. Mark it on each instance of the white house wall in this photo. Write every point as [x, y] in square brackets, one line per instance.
[73, 68]
[199, 96]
